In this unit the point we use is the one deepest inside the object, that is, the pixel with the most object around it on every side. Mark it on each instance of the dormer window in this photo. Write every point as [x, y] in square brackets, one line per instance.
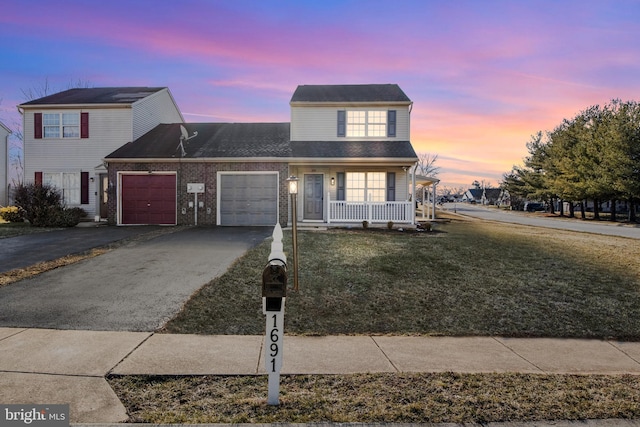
[367, 123]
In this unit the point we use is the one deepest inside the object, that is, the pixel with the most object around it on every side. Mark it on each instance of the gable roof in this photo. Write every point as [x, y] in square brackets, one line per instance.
[214, 140]
[97, 95]
[492, 193]
[368, 93]
[476, 193]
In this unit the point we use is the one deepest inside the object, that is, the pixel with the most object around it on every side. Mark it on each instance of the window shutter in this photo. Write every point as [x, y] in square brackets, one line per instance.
[391, 186]
[37, 125]
[342, 120]
[391, 123]
[38, 178]
[84, 188]
[341, 187]
[84, 125]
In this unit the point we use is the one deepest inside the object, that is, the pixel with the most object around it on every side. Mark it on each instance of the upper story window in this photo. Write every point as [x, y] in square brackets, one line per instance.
[367, 123]
[61, 125]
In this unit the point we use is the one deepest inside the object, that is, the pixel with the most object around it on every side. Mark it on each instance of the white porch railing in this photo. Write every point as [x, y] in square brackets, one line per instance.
[343, 211]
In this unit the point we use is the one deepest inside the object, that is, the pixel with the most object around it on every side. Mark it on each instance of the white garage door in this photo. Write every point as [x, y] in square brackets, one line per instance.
[248, 199]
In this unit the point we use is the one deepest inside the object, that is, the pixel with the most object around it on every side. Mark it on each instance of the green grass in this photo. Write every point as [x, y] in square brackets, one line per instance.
[375, 398]
[465, 278]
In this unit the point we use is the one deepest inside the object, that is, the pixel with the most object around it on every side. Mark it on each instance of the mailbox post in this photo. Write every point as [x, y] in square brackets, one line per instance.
[274, 293]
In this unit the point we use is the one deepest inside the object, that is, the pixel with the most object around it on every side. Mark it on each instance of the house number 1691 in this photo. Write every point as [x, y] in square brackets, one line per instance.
[274, 346]
[274, 335]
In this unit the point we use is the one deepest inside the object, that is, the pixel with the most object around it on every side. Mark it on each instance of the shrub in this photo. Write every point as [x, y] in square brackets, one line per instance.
[42, 206]
[390, 225]
[11, 214]
[365, 224]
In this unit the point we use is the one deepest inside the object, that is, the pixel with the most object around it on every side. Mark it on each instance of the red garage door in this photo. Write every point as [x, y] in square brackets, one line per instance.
[149, 199]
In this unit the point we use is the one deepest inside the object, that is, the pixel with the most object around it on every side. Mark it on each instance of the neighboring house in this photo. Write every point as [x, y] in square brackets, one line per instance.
[473, 195]
[504, 199]
[491, 196]
[4, 164]
[347, 144]
[68, 134]
[483, 196]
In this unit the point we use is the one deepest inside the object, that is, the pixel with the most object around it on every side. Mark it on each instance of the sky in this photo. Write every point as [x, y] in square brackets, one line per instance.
[483, 75]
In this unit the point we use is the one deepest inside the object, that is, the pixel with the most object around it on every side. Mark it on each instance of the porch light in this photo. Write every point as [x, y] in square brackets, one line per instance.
[293, 184]
[293, 191]
[333, 181]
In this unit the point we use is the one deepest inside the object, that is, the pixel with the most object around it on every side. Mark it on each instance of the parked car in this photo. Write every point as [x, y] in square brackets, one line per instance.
[534, 207]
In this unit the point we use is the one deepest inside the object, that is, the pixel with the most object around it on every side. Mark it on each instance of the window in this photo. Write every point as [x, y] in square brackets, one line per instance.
[67, 183]
[366, 186]
[61, 125]
[370, 123]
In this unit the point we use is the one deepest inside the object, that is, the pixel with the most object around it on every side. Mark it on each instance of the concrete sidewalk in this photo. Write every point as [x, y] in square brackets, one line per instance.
[62, 366]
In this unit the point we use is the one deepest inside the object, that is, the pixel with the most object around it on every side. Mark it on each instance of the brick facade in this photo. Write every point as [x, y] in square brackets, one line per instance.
[200, 172]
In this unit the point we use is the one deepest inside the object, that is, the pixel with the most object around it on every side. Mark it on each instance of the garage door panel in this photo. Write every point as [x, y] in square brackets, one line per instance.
[248, 199]
[148, 199]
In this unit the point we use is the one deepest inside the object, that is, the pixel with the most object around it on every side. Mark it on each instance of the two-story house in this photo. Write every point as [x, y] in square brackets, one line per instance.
[68, 134]
[351, 149]
[349, 145]
[4, 164]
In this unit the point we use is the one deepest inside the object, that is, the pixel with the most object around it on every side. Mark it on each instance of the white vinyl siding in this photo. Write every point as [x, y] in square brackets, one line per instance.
[109, 129]
[153, 110]
[320, 123]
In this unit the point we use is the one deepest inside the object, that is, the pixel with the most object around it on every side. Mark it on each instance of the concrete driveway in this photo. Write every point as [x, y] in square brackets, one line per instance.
[137, 287]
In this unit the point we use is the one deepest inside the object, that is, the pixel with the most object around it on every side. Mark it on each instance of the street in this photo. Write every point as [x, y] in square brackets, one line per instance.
[540, 220]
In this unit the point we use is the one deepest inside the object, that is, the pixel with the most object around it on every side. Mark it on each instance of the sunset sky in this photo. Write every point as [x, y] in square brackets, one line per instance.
[483, 75]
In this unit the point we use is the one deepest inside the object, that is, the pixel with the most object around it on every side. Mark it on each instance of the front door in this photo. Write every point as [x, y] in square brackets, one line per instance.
[313, 198]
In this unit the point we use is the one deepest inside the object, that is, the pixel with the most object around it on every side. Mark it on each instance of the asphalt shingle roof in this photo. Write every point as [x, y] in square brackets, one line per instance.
[214, 140]
[350, 93]
[97, 95]
[252, 140]
[352, 149]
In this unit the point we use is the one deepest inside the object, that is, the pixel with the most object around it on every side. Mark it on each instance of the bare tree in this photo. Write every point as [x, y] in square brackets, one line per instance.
[427, 165]
[45, 89]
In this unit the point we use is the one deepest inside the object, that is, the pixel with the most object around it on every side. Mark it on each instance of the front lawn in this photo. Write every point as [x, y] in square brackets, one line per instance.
[467, 277]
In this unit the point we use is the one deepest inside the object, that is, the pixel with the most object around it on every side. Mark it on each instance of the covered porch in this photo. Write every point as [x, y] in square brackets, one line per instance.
[354, 193]
[428, 185]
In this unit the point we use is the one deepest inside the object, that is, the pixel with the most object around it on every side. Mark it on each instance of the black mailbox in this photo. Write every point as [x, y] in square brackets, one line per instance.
[274, 286]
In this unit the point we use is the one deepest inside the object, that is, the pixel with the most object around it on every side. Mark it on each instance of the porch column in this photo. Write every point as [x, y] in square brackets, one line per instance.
[413, 193]
[434, 201]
